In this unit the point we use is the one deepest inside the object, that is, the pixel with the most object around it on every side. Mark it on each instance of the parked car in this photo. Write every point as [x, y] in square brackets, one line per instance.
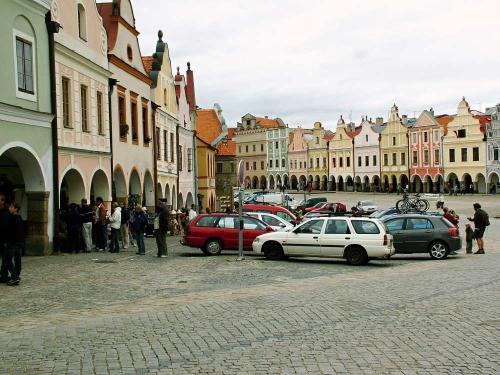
[213, 233]
[310, 202]
[276, 198]
[366, 207]
[279, 211]
[383, 213]
[356, 239]
[274, 221]
[317, 206]
[416, 233]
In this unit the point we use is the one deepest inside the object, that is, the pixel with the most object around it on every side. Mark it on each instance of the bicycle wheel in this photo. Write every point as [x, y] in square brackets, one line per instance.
[421, 205]
[402, 206]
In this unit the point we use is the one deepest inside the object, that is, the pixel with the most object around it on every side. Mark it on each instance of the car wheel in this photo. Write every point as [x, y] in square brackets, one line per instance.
[356, 256]
[438, 250]
[213, 247]
[273, 251]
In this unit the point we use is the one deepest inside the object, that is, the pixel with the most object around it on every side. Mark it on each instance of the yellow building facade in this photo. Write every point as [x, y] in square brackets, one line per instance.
[318, 158]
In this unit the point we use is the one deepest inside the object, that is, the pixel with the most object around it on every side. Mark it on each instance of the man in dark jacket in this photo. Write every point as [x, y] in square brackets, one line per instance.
[481, 221]
[4, 224]
[139, 226]
[14, 244]
[162, 223]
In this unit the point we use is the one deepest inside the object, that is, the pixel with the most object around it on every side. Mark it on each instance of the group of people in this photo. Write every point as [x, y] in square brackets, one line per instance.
[11, 242]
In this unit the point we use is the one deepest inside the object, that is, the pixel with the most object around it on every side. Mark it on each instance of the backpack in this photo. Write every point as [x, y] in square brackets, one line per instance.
[485, 218]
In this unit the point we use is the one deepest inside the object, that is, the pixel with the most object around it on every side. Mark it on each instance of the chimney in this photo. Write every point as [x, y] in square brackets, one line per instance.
[379, 121]
[190, 92]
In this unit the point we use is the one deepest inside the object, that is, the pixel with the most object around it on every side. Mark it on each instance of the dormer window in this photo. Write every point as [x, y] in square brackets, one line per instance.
[82, 23]
[130, 54]
[461, 133]
[165, 97]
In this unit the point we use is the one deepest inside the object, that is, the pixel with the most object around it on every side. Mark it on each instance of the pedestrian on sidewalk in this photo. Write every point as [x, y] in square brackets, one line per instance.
[74, 223]
[4, 224]
[162, 222]
[125, 218]
[102, 228]
[14, 246]
[469, 236]
[139, 226]
[115, 222]
[481, 221]
[448, 215]
[192, 212]
[86, 217]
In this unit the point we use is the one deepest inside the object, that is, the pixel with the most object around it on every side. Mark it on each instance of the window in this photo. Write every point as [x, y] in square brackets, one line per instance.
[276, 163]
[219, 167]
[180, 161]
[403, 158]
[386, 159]
[190, 159]
[100, 113]
[262, 166]
[341, 162]
[464, 154]
[254, 165]
[84, 108]
[324, 162]
[158, 145]
[172, 147]
[249, 223]
[365, 227]
[317, 163]
[249, 122]
[394, 161]
[305, 165]
[374, 160]
[426, 137]
[283, 163]
[272, 221]
[130, 53]
[475, 154]
[348, 162]
[122, 111]
[414, 138]
[366, 136]
[334, 162]
[462, 133]
[82, 23]
[227, 222]
[165, 145]
[317, 140]
[359, 161]
[311, 163]
[367, 161]
[276, 144]
[262, 147]
[66, 106]
[165, 97]
[270, 163]
[300, 163]
[247, 166]
[207, 221]
[395, 224]
[337, 226]
[310, 227]
[24, 55]
[284, 216]
[135, 129]
[239, 149]
[415, 158]
[418, 223]
[436, 136]
[426, 156]
[495, 153]
[436, 157]
[394, 141]
[145, 124]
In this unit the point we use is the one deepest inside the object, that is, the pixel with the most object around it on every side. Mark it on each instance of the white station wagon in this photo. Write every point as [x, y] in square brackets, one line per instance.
[356, 239]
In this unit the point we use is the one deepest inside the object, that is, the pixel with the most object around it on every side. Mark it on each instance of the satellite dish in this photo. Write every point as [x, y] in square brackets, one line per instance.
[241, 173]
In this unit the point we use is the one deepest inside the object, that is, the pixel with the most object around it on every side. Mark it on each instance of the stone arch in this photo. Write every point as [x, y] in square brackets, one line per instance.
[340, 183]
[428, 184]
[465, 183]
[333, 185]
[159, 191]
[393, 184]
[72, 189]
[189, 200]
[263, 182]
[480, 184]
[279, 182]
[174, 197]
[294, 183]
[366, 183]
[404, 182]
[168, 196]
[357, 184]
[349, 182]
[324, 182]
[119, 184]
[149, 192]
[255, 182]
[439, 183]
[302, 182]
[180, 201]
[286, 181]
[248, 182]
[493, 182]
[271, 182]
[99, 186]
[417, 185]
[317, 182]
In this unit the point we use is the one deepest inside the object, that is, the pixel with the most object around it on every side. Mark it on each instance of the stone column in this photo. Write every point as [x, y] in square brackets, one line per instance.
[37, 239]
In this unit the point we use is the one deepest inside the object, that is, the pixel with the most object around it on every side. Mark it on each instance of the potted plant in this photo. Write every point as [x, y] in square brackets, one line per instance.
[147, 139]
[124, 128]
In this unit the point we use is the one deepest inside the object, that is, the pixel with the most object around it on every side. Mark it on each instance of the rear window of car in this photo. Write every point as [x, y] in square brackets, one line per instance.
[365, 227]
[207, 221]
[418, 223]
[284, 215]
[395, 224]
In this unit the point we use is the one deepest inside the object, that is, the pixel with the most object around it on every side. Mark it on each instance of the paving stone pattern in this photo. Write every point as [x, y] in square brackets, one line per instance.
[191, 314]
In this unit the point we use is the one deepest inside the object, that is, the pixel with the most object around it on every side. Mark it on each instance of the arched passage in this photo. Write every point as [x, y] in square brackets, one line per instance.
[404, 182]
[248, 182]
[357, 184]
[333, 185]
[279, 183]
[317, 183]
[428, 185]
[263, 182]
[174, 198]
[340, 183]
[439, 183]
[167, 195]
[120, 185]
[148, 193]
[466, 184]
[366, 183]
[394, 184]
[324, 183]
[271, 182]
[302, 182]
[349, 183]
[376, 183]
[159, 191]
[255, 182]
[180, 201]
[294, 182]
[493, 183]
[286, 181]
[99, 186]
[417, 184]
[72, 188]
[189, 200]
[480, 183]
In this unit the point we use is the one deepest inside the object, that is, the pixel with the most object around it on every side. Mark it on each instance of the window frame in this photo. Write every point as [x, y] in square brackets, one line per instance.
[29, 39]
[84, 109]
[65, 113]
[82, 36]
[100, 112]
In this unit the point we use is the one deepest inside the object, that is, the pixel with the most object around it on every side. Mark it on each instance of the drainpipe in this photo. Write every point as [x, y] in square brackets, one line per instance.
[354, 167]
[442, 163]
[380, 161]
[111, 84]
[154, 106]
[327, 165]
[53, 28]
[178, 169]
[408, 158]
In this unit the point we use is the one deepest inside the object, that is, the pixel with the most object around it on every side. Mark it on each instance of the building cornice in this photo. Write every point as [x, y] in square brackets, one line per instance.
[25, 116]
[119, 63]
[82, 60]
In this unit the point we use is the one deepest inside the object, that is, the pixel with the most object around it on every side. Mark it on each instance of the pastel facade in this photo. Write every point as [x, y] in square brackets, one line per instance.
[318, 157]
[493, 150]
[464, 149]
[132, 132]
[394, 152]
[225, 171]
[341, 158]
[277, 157]
[367, 154]
[82, 74]
[26, 155]
[297, 157]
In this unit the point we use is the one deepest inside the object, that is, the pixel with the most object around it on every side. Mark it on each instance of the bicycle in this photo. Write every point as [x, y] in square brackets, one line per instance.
[412, 204]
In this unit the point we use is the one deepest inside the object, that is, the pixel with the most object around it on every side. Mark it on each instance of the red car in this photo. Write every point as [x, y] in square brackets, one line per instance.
[271, 209]
[213, 233]
[328, 207]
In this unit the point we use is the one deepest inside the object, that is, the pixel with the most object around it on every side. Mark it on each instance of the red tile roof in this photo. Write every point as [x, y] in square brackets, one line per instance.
[355, 132]
[226, 148]
[208, 126]
[483, 121]
[147, 61]
[267, 122]
[329, 135]
[230, 133]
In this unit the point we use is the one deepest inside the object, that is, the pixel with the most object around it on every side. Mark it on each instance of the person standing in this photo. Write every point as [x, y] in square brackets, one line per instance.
[139, 225]
[4, 224]
[115, 222]
[450, 217]
[161, 229]
[101, 225]
[86, 217]
[469, 236]
[14, 244]
[74, 223]
[124, 225]
[481, 221]
[192, 213]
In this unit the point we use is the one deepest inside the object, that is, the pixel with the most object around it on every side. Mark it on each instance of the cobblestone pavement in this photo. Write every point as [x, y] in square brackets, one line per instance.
[190, 314]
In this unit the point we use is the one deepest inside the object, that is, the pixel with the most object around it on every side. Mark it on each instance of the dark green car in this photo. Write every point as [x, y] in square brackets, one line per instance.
[423, 234]
[310, 202]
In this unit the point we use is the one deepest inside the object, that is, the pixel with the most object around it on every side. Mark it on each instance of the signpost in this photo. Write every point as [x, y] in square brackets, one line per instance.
[241, 181]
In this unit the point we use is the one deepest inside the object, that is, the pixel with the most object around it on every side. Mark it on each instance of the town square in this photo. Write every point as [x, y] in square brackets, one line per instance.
[171, 205]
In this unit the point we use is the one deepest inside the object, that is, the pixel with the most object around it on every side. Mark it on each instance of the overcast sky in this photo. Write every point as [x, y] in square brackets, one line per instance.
[307, 61]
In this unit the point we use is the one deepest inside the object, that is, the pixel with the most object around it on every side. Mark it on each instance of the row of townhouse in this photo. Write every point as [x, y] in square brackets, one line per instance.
[84, 115]
[431, 153]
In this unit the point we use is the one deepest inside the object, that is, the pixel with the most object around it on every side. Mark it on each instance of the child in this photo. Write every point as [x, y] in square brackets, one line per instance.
[469, 236]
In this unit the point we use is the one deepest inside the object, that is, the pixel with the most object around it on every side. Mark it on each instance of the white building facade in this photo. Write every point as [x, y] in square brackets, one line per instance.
[277, 156]
[366, 152]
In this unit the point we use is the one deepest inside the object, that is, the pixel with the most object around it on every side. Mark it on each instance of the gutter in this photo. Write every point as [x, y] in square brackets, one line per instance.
[178, 169]
[111, 84]
[154, 106]
[53, 28]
